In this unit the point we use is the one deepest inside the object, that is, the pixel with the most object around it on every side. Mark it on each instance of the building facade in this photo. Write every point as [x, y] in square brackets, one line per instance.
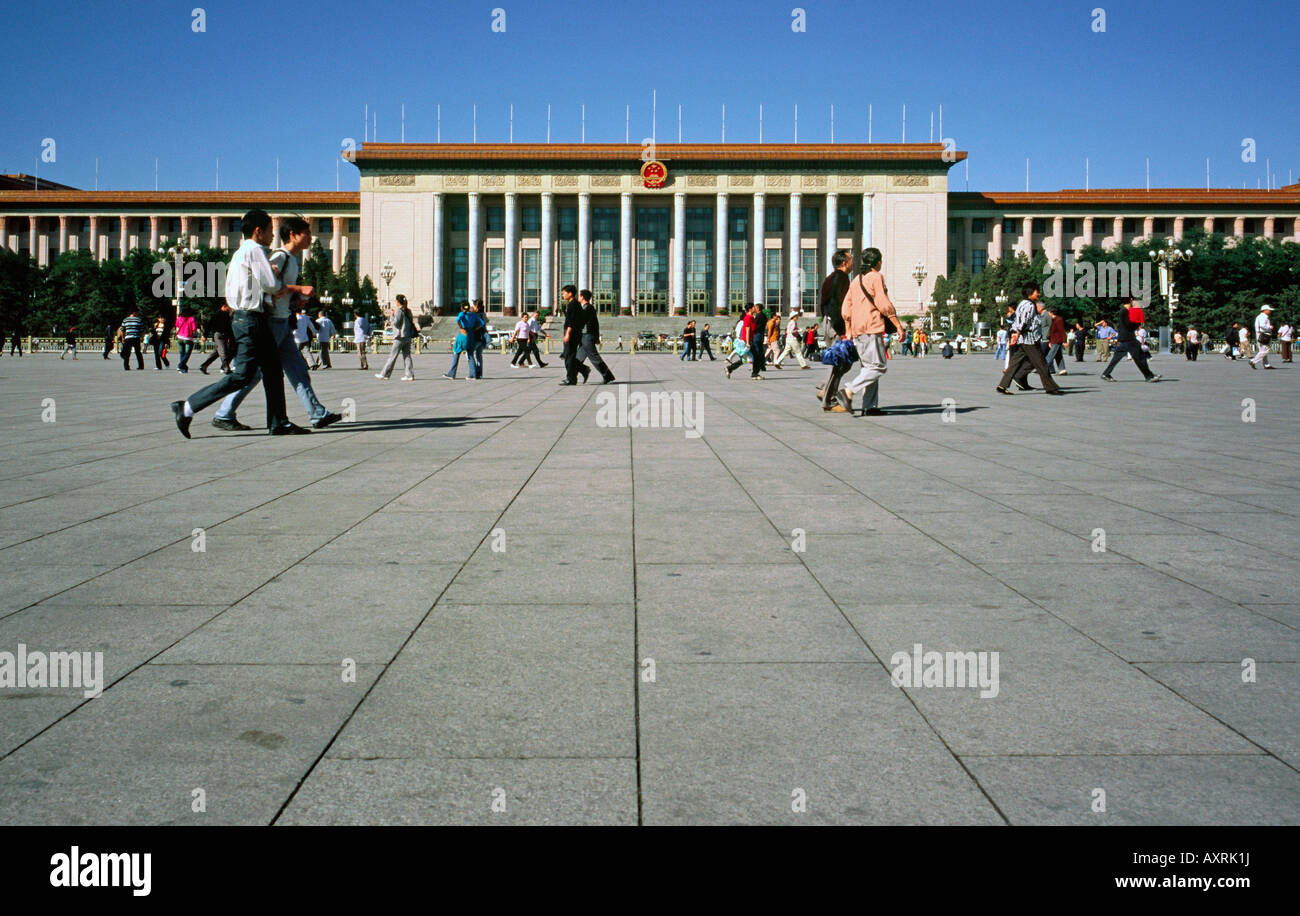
[678, 229]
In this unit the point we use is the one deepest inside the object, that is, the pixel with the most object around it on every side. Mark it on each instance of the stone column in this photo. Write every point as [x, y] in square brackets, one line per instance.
[547, 298]
[511, 287]
[1239, 227]
[720, 255]
[33, 238]
[832, 228]
[438, 248]
[275, 229]
[4, 231]
[474, 284]
[795, 283]
[94, 238]
[625, 253]
[759, 259]
[584, 241]
[214, 234]
[679, 254]
[124, 236]
[336, 244]
[1087, 230]
[1148, 228]
[185, 232]
[995, 253]
[343, 248]
[868, 200]
[1209, 225]
[1269, 227]
[1178, 228]
[1058, 238]
[1027, 236]
[153, 233]
[63, 233]
[1296, 230]
[1119, 229]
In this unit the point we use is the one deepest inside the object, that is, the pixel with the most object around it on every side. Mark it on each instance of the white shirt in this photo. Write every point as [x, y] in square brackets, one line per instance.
[326, 329]
[1193, 336]
[360, 330]
[1002, 335]
[1243, 335]
[1262, 324]
[536, 329]
[288, 267]
[1285, 332]
[521, 330]
[249, 278]
[792, 327]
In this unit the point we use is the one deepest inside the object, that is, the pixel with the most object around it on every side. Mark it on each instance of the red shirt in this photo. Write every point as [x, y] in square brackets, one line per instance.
[1057, 334]
[749, 328]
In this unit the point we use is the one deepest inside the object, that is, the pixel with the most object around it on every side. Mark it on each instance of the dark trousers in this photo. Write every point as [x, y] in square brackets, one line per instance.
[1079, 344]
[129, 344]
[324, 357]
[254, 349]
[832, 385]
[759, 352]
[1026, 356]
[1193, 350]
[572, 363]
[688, 351]
[108, 345]
[705, 348]
[221, 351]
[587, 351]
[1128, 348]
[521, 351]
[159, 354]
[532, 351]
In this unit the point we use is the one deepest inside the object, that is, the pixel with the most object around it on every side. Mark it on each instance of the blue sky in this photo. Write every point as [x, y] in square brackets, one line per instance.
[128, 82]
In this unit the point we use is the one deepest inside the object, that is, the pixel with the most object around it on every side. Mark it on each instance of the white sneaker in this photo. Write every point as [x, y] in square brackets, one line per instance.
[380, 375]
[408, 378]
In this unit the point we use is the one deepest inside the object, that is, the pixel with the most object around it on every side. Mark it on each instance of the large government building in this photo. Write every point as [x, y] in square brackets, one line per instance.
[677, 229]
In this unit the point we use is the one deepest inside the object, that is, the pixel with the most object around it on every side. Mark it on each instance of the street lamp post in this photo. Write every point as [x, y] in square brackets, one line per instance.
[1166, 258]
[975, 303]
[951, 302]
[1002, 299]
[919, 275]
[387, 272]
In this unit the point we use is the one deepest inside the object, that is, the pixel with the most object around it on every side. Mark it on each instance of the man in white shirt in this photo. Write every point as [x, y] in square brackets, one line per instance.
[1263, 338]
[520, 336]
[249, 279]
[361, 336]
[295, 234]
[534, 332]
[325, 333]
[1285, 334]
[792, 342]
[1193, 343]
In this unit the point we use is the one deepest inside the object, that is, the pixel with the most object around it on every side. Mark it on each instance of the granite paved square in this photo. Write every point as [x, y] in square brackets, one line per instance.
[475, 604]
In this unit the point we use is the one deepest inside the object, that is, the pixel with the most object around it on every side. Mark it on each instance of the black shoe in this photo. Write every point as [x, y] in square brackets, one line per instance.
[289, 429]
[233, 426]
[182, 421]
[586, 375]
[203, 370]
[326, 420]
[1056, 391]
[542, 365]
[608, 381]
[567, 382]
[1025, 387]
[1107, 378]
[1001, 390]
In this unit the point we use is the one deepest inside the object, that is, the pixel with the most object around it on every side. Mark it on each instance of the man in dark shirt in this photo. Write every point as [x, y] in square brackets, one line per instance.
[834, 289]
[587, 347]
[757, 340]
[221, 334]
[108, 340]
[688, 342]
[1056, 335]
[704, 344]
[1128, 345]
[574, 319]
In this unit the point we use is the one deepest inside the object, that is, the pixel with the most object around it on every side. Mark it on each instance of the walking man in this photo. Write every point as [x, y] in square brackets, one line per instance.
[534, 333]
[1285, 334]
[325, 333]
[361, 336]
[1026, 332]
[688, 342]
[1127, 344]
[1056, 344]
[1193, 343]
[591, 337]
[830, 302]
[132, 333]
[249, 280]
[108, 340]
[1263, 338]
[69, 343]
[706, 348]
[865, 309]
[574, 319]
[1080, 341]
[792, 345]
[222, 342]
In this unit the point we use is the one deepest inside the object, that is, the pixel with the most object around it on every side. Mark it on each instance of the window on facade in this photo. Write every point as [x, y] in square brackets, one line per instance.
[354, 259]
[737, 272]
[846, 221]
[496, 295]
[1248, 226]
[810, 218]
[738, 223]
[652, 259]
[1160, 226]
[699, 257]
[532, 278]
[1130, 226]
[568, 266]
[530, 219]
[808, 285]
[1010, 225]
[604, 256]
[496, 219]
[324, 226]
[1040, 226]
[773, 286]
[952, 260]
[568, 222]
[459, 275]
[979, 226]
[233, 226]
[458, 219]
[354, 225]
[1069, 226]
[978, 259]
[774, 219]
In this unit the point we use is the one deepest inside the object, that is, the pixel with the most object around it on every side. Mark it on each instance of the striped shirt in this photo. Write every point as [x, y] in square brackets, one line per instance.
[132, 327]
[1027, 323]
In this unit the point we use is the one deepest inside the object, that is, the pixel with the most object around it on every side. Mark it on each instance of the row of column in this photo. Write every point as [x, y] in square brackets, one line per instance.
[677, 296]
[338, 241]
[1025, 243]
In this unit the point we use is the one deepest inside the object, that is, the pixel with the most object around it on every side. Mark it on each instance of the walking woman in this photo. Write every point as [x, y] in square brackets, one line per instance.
[475, 338]
[186, 334]
[458, 345]
[158, 339]
[404, 326]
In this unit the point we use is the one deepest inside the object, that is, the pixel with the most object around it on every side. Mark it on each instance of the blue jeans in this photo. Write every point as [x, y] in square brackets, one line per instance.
[455, 362]
[1000, 351]
[295, 370]
[475, 362]
[186, 347]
